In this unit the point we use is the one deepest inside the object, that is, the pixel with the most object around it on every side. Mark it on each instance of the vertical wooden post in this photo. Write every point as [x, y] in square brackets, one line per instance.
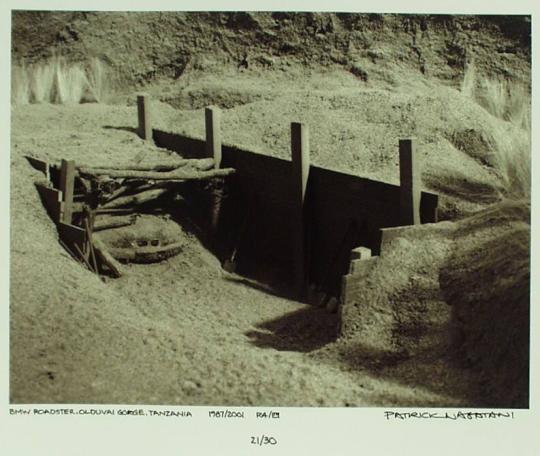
[300, 174]
[143, 113]
[67, 183]
[212, 117]
[409, 176]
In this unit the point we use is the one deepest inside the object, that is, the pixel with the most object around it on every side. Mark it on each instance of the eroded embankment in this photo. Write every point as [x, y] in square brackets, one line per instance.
[458, 295]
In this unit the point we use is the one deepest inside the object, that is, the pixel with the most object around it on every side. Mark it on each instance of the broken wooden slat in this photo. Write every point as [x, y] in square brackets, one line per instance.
[83, 257]
[67, 182]
[52, 199]
[72, 236]
[71, 253]
[106, 258]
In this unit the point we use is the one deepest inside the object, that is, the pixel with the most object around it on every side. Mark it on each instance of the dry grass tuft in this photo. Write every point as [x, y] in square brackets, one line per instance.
[57, 81]
[510, 143]
[98, 80]
[20, 85]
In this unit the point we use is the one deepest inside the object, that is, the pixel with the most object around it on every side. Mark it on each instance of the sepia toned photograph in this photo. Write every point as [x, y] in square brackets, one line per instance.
[278, 209]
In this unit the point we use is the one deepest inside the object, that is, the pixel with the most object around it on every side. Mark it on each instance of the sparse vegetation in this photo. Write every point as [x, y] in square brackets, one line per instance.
[511, 143]
[57, 81]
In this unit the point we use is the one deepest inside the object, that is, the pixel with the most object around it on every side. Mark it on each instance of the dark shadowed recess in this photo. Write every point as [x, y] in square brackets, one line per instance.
[256, 212]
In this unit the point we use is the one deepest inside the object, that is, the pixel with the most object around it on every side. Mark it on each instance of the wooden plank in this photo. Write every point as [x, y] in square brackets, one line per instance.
[187, 146]
[52, 199]
[324, 178]
[72, 236]
[389, 234]
[429, 203]
[40, 165]
[265, 168]
[67, 183]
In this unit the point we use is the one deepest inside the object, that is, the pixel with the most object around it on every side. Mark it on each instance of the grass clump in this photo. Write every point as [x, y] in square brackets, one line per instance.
[57, 81]
[510, 142]
[20, 85]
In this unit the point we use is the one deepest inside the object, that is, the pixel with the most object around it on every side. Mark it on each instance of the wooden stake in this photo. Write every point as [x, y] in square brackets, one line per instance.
[143, 113]
[409, 175]
[300, 174]
[212, 116]
[67, 182]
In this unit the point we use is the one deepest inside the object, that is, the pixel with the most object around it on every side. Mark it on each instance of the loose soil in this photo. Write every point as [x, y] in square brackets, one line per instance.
[184, 331]
[178, 332]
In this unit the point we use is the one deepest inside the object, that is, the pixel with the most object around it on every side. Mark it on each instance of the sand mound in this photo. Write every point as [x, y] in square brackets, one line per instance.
[457, 292]
[492, 321]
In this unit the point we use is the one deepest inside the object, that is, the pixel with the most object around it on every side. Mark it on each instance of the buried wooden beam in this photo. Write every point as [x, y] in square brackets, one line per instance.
[143, 115]
[212, 118]
[67, 184]
[410, 181]
[300, 174]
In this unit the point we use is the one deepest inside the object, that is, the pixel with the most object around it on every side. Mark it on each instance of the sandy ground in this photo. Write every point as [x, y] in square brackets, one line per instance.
[183, 331]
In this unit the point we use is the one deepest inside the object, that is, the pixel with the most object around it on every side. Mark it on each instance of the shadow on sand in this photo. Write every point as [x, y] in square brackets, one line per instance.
[303, 330]
[128, 129]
